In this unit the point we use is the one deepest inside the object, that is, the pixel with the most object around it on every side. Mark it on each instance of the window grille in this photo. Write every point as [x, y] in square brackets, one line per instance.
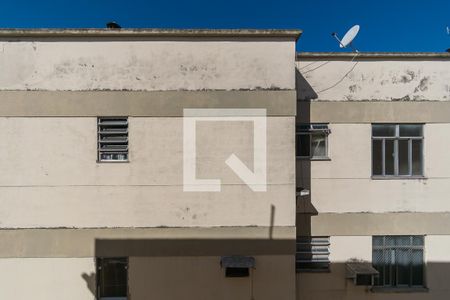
[399, 260]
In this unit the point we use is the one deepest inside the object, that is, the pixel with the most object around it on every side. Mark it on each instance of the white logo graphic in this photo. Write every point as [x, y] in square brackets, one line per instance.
[255, 180]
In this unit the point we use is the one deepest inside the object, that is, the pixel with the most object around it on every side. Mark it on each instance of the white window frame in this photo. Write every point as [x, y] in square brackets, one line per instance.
[396, 139]
[311, 129]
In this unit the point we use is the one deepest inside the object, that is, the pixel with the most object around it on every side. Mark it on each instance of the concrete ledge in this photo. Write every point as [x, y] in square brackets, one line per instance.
[146, 241]
[374, 111]
[381, 224]
[139, 104]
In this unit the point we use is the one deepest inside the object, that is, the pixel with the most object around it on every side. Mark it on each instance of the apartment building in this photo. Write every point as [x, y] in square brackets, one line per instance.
[101, 199]
[373, 175]
[93, 201]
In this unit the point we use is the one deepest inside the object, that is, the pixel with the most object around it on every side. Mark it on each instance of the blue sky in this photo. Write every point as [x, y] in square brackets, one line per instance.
[386, 25]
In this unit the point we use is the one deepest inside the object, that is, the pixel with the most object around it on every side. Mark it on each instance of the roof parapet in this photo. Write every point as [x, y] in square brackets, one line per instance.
[148, 33]
[387, 55]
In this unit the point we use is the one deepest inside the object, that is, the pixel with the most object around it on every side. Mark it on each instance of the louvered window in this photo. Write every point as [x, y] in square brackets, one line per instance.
[312, 253]
[112, 138]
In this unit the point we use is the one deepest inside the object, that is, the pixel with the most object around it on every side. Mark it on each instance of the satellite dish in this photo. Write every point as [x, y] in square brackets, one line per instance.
[348, 37]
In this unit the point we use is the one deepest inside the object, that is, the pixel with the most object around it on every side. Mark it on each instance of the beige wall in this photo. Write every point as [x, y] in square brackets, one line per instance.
[373, 79]
[150, 65]
[162, 278]
[51, 178]
[47, 278]
[344, 184]
[194, 278]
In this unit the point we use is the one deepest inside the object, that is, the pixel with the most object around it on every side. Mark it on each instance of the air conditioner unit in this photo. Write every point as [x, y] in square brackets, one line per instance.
[362, 273]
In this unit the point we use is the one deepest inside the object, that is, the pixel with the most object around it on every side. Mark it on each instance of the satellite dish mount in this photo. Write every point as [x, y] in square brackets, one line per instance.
[348, 38]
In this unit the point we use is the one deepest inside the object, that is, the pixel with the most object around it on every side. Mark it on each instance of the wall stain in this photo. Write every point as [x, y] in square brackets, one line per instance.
[423, 84]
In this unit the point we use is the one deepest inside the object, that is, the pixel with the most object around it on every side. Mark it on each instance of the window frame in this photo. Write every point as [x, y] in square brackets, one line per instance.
[100, 151]
[396, 138]
[311, 131]
[98, 261]
[411, 247]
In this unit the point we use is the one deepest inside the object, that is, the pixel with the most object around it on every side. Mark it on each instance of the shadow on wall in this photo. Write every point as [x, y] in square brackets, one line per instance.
[305, 92]
[90, 282]
[335, 285]
[191, 268]
[305, 208]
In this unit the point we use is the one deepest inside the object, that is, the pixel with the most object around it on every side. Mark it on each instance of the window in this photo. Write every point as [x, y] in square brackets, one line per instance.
[112, 278]
[112, 139]
[312, 141]
[399, 259]
[312, 253]
[397, 150]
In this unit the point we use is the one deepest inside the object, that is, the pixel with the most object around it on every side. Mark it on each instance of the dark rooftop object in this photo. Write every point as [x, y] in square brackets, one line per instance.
[113, 25]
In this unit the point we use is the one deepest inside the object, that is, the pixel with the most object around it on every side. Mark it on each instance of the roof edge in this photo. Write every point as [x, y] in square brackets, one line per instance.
[390, 55]
[147, 32]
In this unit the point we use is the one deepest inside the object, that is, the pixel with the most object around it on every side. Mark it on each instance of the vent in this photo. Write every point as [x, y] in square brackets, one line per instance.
[112, 139]
[312, 253]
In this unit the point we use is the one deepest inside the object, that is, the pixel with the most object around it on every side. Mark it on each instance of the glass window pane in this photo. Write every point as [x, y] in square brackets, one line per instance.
[411, 130]
[403, 261]
[390, 269]
[377, 241]
[377, 157]
[383, 130]
[403, 157]
[417, 267]
[402, 240]
[303, 145]
[378, 264]
[417, 157]
[389, 157]
[318, 146]
[417, 240]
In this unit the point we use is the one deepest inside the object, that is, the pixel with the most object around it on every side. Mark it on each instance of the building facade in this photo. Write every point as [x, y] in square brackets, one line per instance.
[95, 203]
[372, 164]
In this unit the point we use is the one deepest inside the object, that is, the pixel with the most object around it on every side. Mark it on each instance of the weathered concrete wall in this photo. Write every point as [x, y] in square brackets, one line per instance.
[147, 65]
[51, 177]
[334, 285]
[337, 79]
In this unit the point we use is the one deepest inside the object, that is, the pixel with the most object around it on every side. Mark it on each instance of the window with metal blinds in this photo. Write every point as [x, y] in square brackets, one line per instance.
[112, 138]
[312, 253]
